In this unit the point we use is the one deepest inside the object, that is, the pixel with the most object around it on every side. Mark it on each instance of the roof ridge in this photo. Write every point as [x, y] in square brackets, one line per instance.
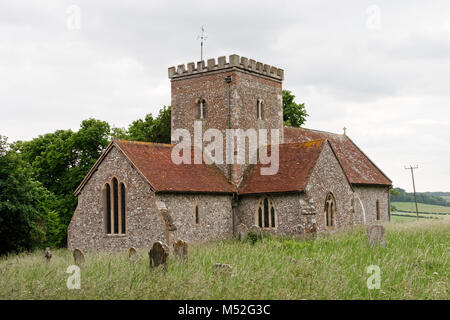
[315, 130]
[159, 144]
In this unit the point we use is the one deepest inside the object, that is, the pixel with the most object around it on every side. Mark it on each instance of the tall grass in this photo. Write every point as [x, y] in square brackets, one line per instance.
[414, 265]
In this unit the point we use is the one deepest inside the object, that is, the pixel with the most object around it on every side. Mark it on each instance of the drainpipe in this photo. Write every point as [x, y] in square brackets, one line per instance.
[230, 176]
[228, 81]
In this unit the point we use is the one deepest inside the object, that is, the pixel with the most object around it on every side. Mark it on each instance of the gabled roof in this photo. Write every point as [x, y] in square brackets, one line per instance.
[356, 165]
[296, 163]
[154, 163]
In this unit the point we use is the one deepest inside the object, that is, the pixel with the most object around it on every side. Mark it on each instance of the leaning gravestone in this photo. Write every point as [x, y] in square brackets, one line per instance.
[132, 254]
[47, 254]
[181, 250]
[159, 255]
[242, 231]
[78, 256]
[376, 235]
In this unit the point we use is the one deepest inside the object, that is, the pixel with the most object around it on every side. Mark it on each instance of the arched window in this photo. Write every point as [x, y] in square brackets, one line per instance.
[197, 214]
[378, 210]
[266, 214]
[259, 109]
[330, 210]
[201, 105]
[114, 204]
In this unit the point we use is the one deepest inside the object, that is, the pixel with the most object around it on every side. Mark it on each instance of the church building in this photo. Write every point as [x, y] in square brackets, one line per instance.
[135, 194]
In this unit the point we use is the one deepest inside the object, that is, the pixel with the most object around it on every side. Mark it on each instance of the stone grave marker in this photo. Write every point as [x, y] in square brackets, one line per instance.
[47, 254]
[242, 231]
[78, 256]
[256, 230]
[159, 255]
[181, 249]
[222, 268]
[376, 235]
[132, 254]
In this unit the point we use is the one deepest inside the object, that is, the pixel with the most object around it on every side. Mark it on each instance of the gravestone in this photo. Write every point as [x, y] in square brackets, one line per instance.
[47, 254]
[256, 230]
[222, 268]
[78, 256]
[376, 235]
[242, 231]
[132, 254]
[181, 250]
[159, 255]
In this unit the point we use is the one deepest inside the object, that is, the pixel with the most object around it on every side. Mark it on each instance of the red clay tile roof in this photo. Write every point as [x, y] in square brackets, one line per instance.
[296, 162]
[357, 166]
[153, 161]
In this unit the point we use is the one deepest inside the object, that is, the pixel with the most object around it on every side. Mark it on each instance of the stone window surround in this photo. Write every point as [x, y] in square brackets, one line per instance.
[377, 208]
[333, 213]
[197, 206]
[201, 105]
[103, 193]
[260, 109]
[259, 204]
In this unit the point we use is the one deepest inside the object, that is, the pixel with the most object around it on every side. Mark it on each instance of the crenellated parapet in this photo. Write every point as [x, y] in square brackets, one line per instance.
[234, 61]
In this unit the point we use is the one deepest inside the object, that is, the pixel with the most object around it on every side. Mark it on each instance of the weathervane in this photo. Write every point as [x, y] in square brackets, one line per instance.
[202, 38]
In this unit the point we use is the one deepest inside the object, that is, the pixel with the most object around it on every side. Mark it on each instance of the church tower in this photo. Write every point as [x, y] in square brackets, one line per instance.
[234, 94]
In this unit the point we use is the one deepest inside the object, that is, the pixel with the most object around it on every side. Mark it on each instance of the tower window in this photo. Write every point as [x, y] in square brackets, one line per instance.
[266, 216]
[259, 109]
[201, 104]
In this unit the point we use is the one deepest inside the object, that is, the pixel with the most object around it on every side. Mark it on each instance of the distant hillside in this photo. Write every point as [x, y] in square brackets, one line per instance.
[436, 198]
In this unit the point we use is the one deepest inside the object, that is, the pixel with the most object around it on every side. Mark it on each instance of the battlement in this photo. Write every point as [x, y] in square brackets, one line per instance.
[234, 62]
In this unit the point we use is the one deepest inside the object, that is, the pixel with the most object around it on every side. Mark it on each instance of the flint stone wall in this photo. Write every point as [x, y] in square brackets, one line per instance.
[369, 196]
[215, 215]
[296, 211]
[245, 89]
[144, 224]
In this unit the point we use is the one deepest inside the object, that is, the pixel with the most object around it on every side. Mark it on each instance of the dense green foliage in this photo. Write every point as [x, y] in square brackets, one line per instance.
[24, 204]
[414, 265]
[294, 114]
[400, 195]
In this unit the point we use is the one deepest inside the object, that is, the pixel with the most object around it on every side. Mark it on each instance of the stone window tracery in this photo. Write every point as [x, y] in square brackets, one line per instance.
[114, 206]
[330, 210]
[201, 104]
[266, 214]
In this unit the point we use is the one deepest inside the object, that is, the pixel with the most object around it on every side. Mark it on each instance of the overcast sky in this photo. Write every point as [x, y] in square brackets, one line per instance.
[379, 68]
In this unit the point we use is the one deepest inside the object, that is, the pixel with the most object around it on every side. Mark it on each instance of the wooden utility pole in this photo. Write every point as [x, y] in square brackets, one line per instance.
[414, 186]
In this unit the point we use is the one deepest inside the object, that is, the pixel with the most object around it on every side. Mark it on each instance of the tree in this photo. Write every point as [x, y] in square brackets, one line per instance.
[293, 114]
[60, 161]
[24, 203]
[152, 129]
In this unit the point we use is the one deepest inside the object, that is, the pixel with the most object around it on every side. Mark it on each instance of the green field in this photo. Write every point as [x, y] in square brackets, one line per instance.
[446, 198]
[423, 208]
[406, 211]
[414, 265]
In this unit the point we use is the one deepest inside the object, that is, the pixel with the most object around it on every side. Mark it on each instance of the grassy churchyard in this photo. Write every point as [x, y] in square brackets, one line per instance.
[413, 265]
